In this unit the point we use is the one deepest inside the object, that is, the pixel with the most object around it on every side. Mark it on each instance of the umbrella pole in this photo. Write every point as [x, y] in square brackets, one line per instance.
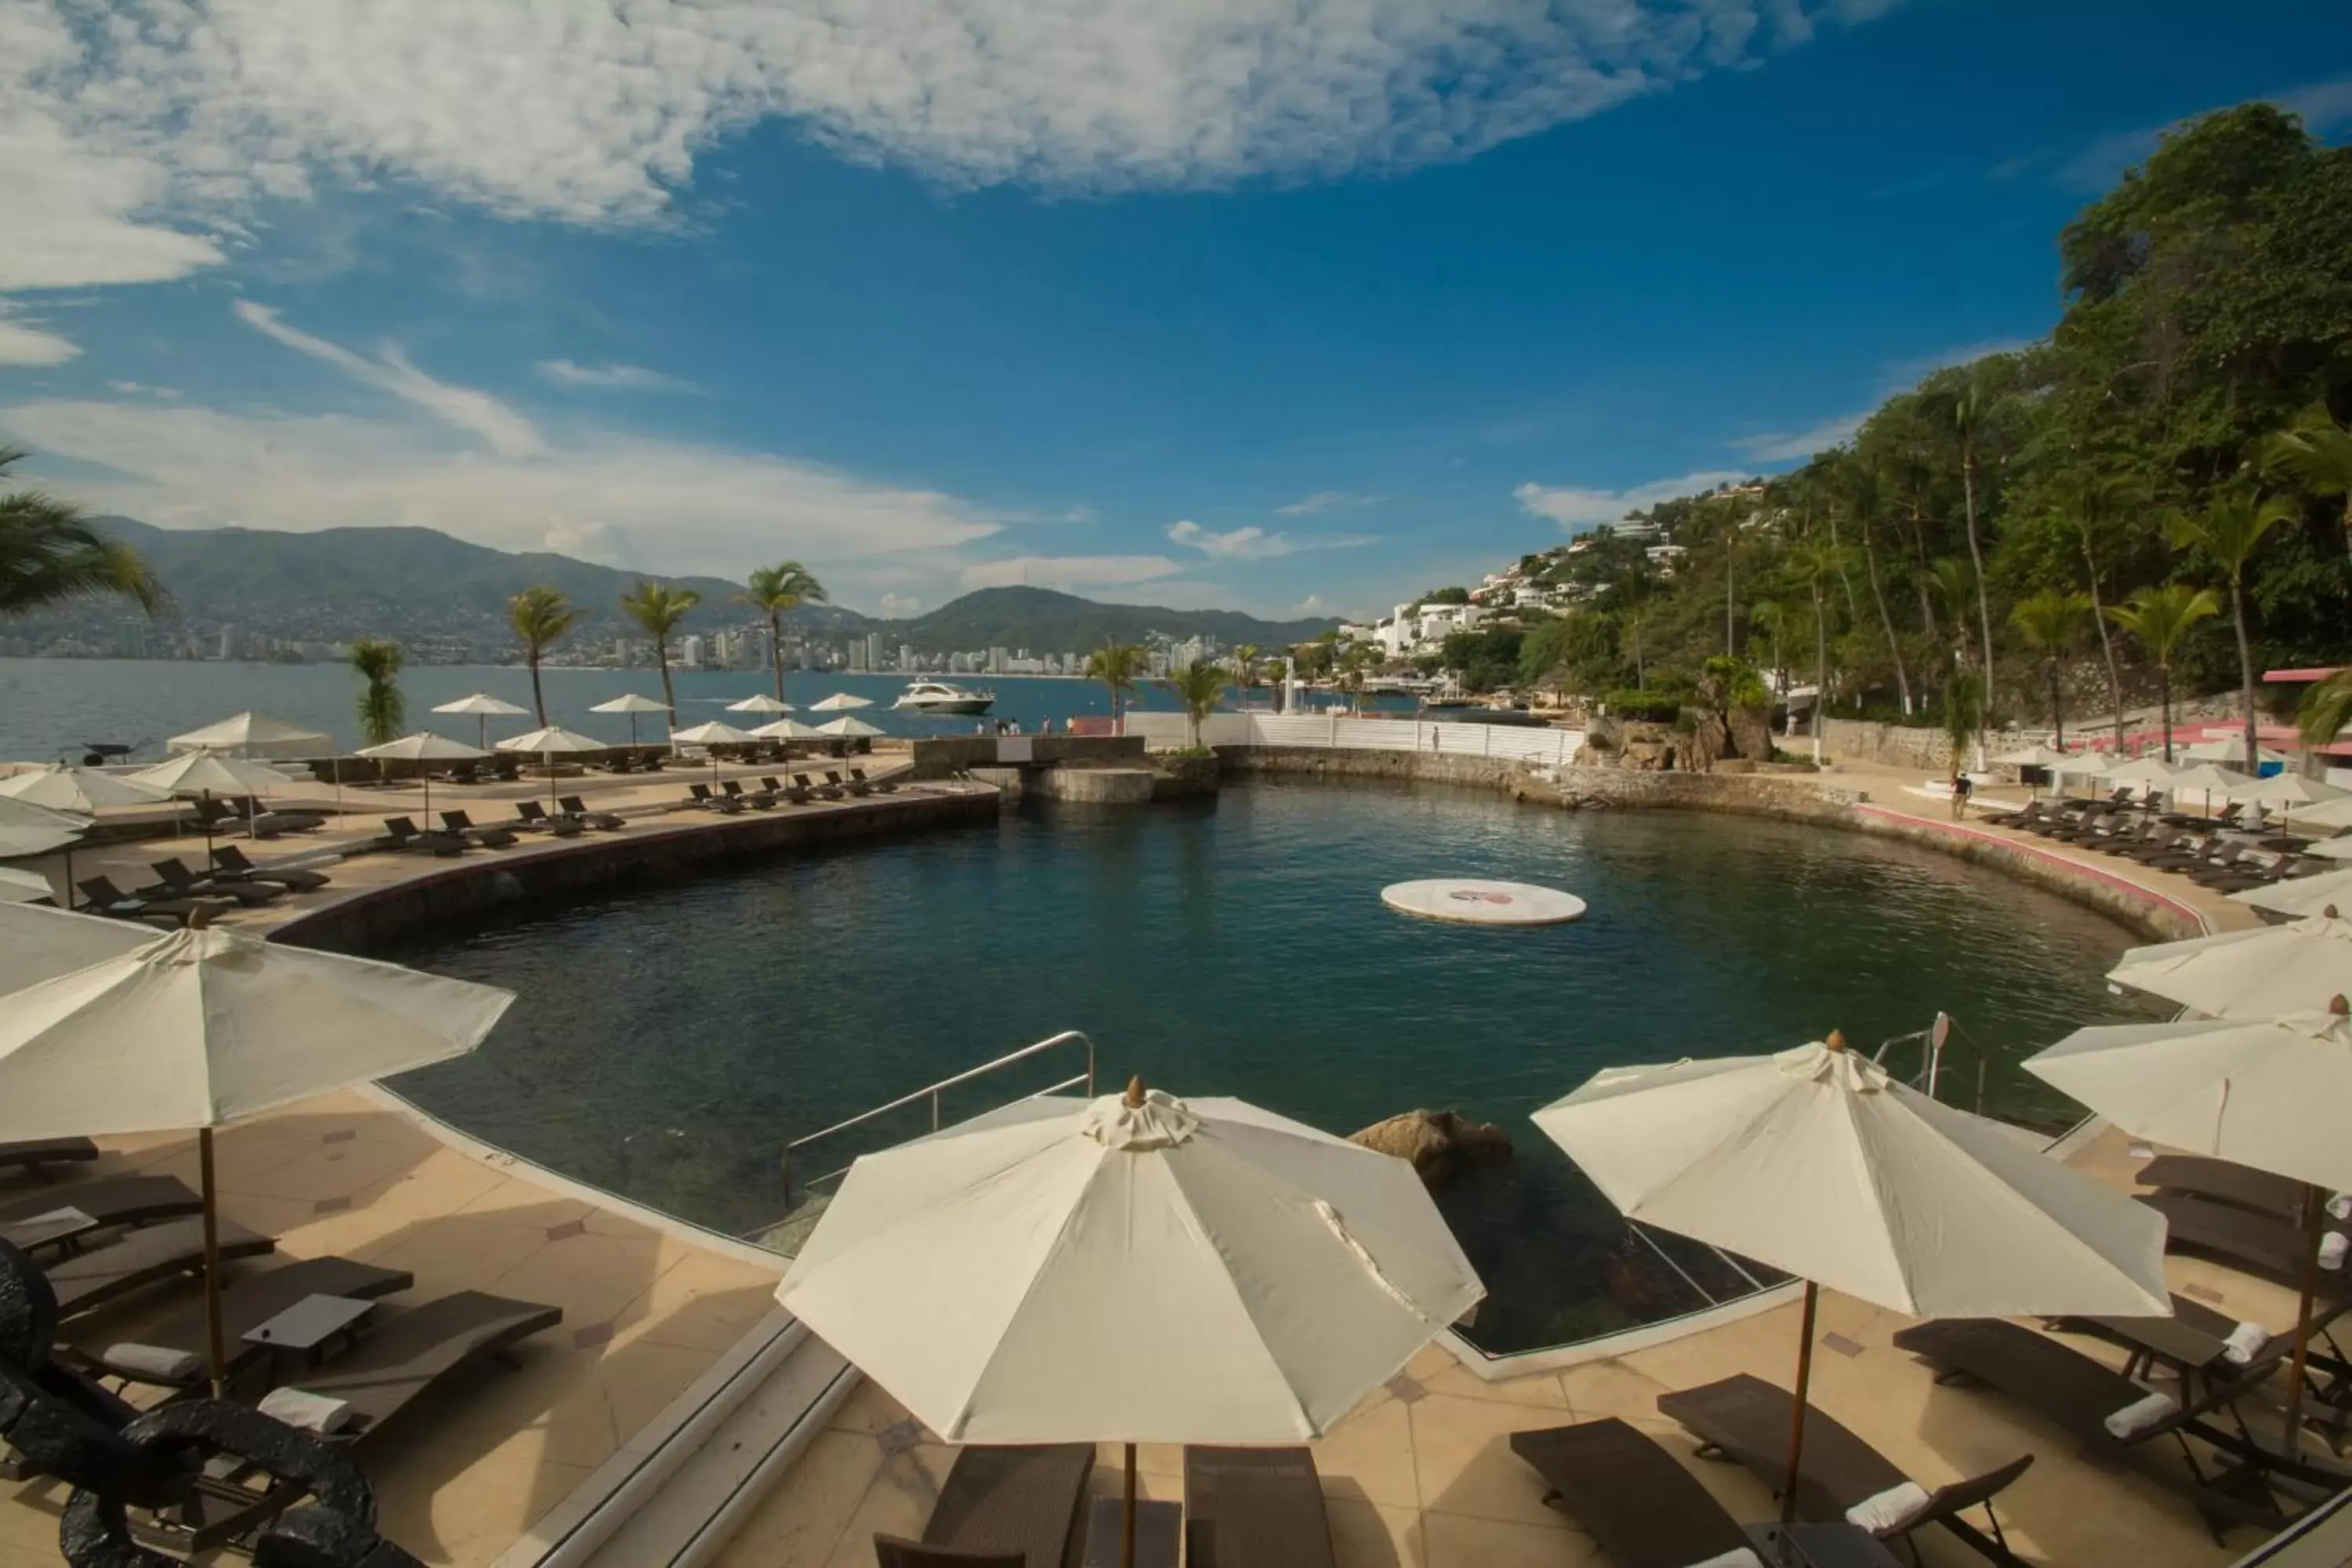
[1797, 1414]
[218, 1363]
[2315, 1222]
[1127, 1523]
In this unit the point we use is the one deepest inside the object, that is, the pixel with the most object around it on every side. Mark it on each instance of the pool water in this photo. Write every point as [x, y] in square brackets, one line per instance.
[670, 1041]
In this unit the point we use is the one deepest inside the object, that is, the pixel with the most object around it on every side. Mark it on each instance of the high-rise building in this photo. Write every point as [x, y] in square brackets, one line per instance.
[996, 661]
[620, 652]
[873, 650]
[857, 655]
[691, 652]
[906, 659]
[228, 643]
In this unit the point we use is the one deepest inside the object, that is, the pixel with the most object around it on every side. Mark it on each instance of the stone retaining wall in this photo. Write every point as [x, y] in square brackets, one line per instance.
[1889, 745]
[2143, 909]
[940, 757]
[466, 887]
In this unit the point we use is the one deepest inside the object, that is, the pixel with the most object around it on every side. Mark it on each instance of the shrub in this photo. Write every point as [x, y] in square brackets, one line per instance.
[1658, 708]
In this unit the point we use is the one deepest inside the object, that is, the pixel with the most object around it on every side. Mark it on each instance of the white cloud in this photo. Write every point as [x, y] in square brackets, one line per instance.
[141, 389]
[611, 377]
[1311, 607]
[684, 508]
[2094, 167]
[1576, 508]
[499, 428]
[1905, 374]
[1325, 500]
[30, 345]
[898, 607]
[1795, 445]
[2322, 104]
[1070, 573]
[1253, 543]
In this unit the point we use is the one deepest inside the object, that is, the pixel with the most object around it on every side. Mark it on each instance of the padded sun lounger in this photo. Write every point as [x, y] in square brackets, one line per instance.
[579, 813]
[1001, 1505]
[110, 1201]
[1644, 1507]
[34, 1156]
[2262, 1244]
[1253, 1508]
[231, 861]
[2224, 1181]
[1746, 1419]
[532, 817]
[488, 836]
[879, 787]
[184, 882]
[107, 899]
[248, 1301]
[141, 1258]
[2076, 1394]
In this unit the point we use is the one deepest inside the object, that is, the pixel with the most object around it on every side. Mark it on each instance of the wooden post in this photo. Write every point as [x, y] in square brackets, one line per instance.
[1797, 1413]
[219, 1365]
[1126, 1524]
[2314, 1224]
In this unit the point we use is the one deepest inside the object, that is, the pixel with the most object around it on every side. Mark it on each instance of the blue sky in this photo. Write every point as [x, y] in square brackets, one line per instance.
[1295, 308]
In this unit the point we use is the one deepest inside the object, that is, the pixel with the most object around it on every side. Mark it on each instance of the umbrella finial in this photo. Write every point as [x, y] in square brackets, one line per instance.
[2329, 912]
[1836, 1041]
[2337, 1005]
[1135, 1090]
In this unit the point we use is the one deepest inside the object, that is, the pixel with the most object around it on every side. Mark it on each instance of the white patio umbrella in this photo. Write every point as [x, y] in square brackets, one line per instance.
[847, 726]
[64, 787]
[2083, 766]
[785, 729]
[549, 744]
[2043, 757]
[2260, 1092]
[251, 735]
[2336, 848]
[2286, 792]
[2257, 974]
[36, 829]
[759, 703]
[2209, 784]
[484, 707]
[2302, 895]
[1135, 1269]
[26, 887]
[198, 775]
[713, 733]
[1819, 1163]
[631, 704]
[203, 1027]
[2332, 814]
[2232, 748]
[839, 702]
[38, 945]
[424, 746]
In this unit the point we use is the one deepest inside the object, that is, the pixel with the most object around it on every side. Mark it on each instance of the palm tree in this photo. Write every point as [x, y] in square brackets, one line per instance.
[1775, 619]
[1630, 597]
[2051, 623]
[1963, 716]
[1245, 669]
[2326, 710]
[772, 590]
[2091, 503]
[383, 712]
[1197, 686]
[1862, 480]
[1117, 666]
[1814, 565]
[2317, 451]
[659, 607]
[1353, 666]
[2227, 535]
[2160, 618]
[49, 552]
[541, 617]
[1967, 411]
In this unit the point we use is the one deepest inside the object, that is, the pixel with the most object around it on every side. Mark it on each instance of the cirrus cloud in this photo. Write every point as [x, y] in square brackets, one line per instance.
[1070, 573]
[1576, 508]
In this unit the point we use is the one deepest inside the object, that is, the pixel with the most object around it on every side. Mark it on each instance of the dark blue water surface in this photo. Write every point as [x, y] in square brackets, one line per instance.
[669, 1042]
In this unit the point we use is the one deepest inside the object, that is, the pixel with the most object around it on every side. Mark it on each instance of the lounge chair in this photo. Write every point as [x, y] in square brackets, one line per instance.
[1009, 1505]
[2264, 1244]
[34, 1156]
[879, 787]
[2224, 1181]
[1630, 1494]
[833, 778]
[2077, 1394]
[181, 882]
[463, 824]
[406, 1351]
[247, 1302]
[700, 795]
[142, 1257]
[758, 800]
[1253, 1508]
[789, 795]
[110, 1202]
[532, 817]
[579, 813]
[228, 860]
[821, 791]
[2194, 1341]
[402, 834]
[105, 899]
[220, 815]
[1746, 1419]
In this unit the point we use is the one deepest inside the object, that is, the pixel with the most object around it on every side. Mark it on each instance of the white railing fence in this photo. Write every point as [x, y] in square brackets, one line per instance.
[1553, 748]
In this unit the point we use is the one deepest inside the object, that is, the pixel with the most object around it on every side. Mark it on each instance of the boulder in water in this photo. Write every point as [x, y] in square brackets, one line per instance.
[1441, 1144]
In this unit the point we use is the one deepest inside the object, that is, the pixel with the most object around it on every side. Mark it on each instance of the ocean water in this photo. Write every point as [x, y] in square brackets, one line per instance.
[51, 707]
[669, 1042]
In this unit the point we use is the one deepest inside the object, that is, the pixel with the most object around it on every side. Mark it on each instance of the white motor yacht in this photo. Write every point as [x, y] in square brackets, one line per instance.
[943, 697]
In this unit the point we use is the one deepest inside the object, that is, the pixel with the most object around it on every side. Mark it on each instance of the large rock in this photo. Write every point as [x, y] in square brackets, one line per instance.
[1441, 1144]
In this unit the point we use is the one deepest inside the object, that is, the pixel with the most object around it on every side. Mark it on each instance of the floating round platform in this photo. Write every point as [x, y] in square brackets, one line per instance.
[1475, 902]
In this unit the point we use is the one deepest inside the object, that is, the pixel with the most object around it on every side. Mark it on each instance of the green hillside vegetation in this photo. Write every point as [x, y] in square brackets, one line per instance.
[2200, 377]
[1045, 621]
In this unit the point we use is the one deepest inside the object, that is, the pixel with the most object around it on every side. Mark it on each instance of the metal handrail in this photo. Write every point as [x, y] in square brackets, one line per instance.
[933, 1091]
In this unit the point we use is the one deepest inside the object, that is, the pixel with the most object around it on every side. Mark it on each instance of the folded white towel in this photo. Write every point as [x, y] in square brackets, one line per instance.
[310, 1412]
[2332, 1249]
[2244, 1344]
[1888, 1509]
[67, 1215]
[2339, 1206]
[1738, 1557]
[152, 1364]
[2141, 1414]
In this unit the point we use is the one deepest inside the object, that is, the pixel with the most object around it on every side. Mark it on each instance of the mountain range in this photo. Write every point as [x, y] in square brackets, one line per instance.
[442, 597]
